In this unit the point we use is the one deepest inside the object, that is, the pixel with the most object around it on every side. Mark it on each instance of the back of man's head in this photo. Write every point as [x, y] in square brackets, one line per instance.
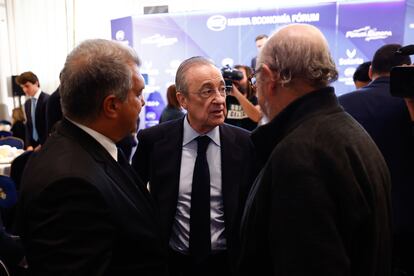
[27, 77]
[361, 75]
[299, 53]
[385, 58]
[93, 70]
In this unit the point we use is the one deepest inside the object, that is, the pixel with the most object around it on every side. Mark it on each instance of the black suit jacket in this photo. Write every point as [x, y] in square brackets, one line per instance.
[80, 213]
[53, 110]
[40, 114]
[158, 160]
[388, 122]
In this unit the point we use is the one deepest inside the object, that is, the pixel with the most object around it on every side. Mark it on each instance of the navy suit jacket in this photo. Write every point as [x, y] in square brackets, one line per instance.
[81, 213]
[40, 115]
[387, 121]
[158, 160]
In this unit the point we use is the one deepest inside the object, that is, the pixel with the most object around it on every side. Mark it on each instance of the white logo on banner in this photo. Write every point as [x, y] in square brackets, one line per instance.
[350, 53]
[219, 22]
[120, 35]
[368, 33]
[227, 61]
[350, 59]
[159, 40]
[216, 23]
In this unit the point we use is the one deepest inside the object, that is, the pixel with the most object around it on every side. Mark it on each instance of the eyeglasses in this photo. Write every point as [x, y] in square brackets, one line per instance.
[210, 93]
[252, 78]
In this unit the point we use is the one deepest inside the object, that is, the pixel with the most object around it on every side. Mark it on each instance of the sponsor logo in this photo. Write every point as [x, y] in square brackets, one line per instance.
[219, 22]
[151, 116]
[349, 72]
[350, 58]
[227, 61]
[216, 23]
[368, 33]
[120, 35]
[152, 103]
[159, 40]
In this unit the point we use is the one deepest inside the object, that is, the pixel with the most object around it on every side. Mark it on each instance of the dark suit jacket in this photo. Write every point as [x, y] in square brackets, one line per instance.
[158, 160]
[40, 114]
[321, 205]
[387, 120]
[80, 213]
[53, 110]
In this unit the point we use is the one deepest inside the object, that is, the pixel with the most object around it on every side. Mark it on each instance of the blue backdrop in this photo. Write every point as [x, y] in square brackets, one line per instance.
[354, 31]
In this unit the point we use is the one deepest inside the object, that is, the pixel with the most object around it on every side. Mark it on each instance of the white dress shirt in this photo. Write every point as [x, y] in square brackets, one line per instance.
[179, 240]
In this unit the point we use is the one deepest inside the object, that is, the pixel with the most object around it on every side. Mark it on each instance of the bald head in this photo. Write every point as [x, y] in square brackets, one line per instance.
[299, 52]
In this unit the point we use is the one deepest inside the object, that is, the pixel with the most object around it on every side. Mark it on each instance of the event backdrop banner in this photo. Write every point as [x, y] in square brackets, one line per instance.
[354, 31]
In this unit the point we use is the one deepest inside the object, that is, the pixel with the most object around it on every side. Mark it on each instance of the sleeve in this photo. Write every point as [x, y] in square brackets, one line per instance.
[69, 230]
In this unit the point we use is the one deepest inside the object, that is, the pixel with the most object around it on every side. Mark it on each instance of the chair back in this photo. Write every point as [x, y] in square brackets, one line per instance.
[5, 133]
[12, 142]
[3, 269]
[8, 193]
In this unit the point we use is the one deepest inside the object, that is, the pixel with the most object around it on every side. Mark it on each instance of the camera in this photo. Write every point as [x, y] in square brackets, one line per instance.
[229, 75]
[402, 81]
[402, 77]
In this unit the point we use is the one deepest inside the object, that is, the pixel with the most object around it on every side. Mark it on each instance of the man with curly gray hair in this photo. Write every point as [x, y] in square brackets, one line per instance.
[320, 205]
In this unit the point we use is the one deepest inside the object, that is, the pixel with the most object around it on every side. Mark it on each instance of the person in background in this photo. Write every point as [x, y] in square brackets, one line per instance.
[82, 209]
[260, 40]
[35, 108]
[199, 171]
[321, 204]
[18, 123]
[173, 109]
[387, 120]
[53, 111]
[361, 75]
[242, 107]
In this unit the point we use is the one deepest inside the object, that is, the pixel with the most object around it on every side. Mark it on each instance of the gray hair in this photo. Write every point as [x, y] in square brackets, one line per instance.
[93, 70]
[180, 77]
[301, 56]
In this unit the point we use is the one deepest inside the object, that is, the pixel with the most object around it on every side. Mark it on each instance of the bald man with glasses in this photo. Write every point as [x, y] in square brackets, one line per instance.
[199, 171]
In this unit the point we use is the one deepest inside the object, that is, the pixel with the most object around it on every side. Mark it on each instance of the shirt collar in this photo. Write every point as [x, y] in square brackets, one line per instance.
[107, 143]
[190, 134]
[37, 95]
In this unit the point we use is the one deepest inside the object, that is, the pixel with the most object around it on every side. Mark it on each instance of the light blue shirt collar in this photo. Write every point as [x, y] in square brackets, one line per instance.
[190, 134]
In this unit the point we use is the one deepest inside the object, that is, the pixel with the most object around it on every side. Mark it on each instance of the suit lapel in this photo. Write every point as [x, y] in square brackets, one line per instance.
[167, 157]
[111, 167]
[231, 177]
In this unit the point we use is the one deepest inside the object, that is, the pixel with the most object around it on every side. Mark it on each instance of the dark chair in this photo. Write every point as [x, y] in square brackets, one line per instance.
[12, 142]
[3, 269]
[8, 193]
[5, 133]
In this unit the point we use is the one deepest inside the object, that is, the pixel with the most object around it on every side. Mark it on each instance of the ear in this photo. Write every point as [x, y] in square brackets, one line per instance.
[370, 72]
[269, 78]
[110, 106]
[182, 99]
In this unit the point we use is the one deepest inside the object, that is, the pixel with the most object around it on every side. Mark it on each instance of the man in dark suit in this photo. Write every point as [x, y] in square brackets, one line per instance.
[320, 205]
[35, 109]
[83, 210]
[168, 156]
[386, 119]
[260, 40]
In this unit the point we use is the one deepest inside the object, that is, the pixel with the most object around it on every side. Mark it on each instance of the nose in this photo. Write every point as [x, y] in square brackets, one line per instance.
[142, 102]
[219, 98]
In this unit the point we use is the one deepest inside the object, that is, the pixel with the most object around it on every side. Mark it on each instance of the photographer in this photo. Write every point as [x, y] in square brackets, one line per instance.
[242, 106]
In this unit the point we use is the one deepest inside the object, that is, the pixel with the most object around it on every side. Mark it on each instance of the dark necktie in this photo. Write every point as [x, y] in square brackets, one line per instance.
[200, 235]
